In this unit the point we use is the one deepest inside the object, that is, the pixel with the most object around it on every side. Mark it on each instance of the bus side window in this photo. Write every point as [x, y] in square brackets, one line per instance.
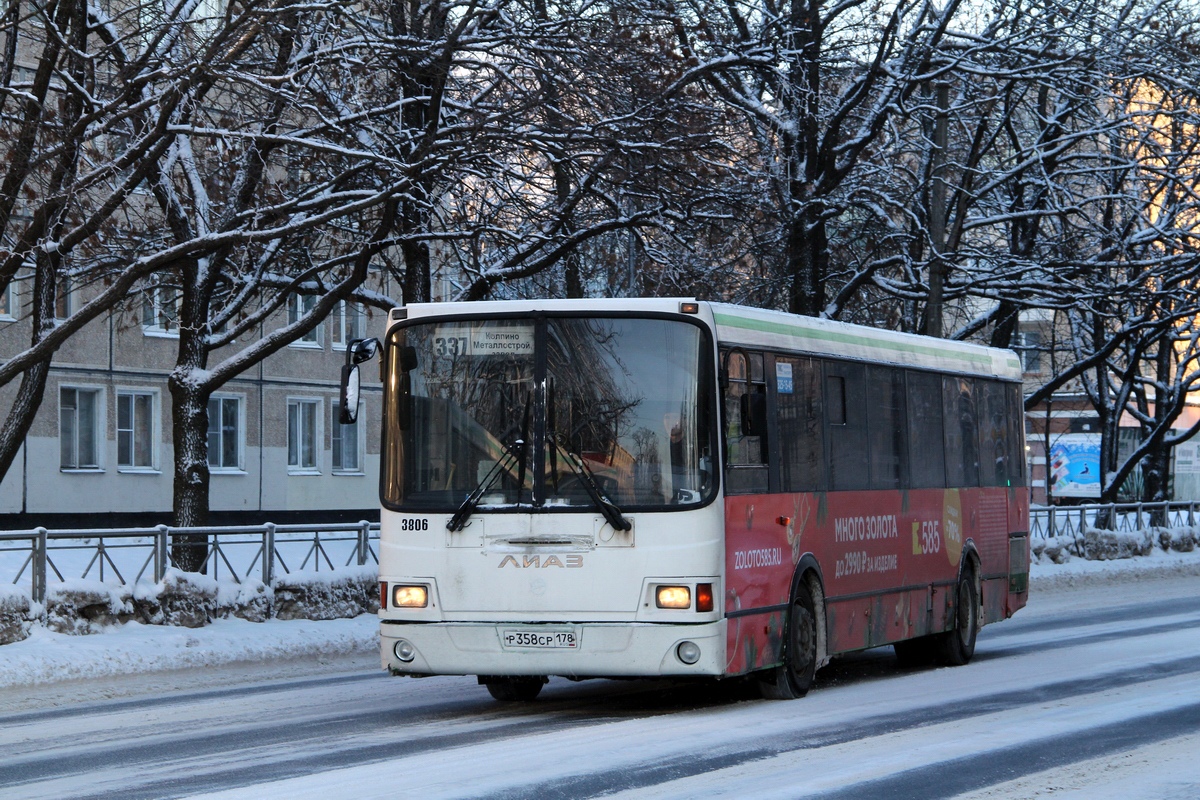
[962, 437]
[846, 425]
[746, 450]
[889, 433]
[995, 450]
[1016, 427]
[926, 452]
[801, 429]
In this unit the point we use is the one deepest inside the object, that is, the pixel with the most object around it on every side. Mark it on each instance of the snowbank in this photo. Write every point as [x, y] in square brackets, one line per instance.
[1045, 574]
[132, 647]
[188, 600]
[17, 614]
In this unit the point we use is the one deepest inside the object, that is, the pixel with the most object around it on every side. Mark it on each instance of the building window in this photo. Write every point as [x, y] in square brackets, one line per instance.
[224, 432]
[6, 299]
[64, 301]
[302, 435]
[1028, 345]
[160, 310]
[79, 427]
[135, 430]
[207, 16]
[298, 306]
[345, 442]
[349, 323]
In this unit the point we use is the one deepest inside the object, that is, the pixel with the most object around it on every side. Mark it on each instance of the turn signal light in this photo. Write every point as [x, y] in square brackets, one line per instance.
[383, 594]
[704, 597]
[410, 597]
[674, 597]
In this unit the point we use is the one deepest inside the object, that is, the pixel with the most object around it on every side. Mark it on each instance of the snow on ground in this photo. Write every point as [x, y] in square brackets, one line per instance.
[134, 648]
[1080, 572]
[1163, 770]
[129, 649]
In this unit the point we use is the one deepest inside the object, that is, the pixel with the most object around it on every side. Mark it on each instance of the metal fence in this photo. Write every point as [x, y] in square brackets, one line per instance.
[126, 556]
[1050, 521]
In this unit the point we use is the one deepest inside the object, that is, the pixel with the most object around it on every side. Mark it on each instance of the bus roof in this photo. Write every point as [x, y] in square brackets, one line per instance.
[753, 327]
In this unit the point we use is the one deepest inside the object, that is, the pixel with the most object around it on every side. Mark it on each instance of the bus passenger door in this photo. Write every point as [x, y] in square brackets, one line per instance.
[757, 569]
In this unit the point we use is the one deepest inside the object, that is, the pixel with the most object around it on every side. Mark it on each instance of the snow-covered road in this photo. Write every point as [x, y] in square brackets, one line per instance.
[1091, 692]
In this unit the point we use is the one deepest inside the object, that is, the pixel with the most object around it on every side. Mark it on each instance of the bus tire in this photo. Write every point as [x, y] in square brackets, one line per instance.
[514, 689]
[957, 645]
[795, 676]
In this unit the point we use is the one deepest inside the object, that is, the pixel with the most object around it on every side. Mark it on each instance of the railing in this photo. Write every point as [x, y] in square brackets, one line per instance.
[1048, 522]
[128, 555]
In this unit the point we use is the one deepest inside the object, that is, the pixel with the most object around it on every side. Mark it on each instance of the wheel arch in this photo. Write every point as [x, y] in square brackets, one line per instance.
[808, 571]
[971, 560]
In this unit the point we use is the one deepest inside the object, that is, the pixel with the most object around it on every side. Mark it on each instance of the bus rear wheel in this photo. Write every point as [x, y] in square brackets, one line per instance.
[795, 677]
[957, 645]
[513, 689]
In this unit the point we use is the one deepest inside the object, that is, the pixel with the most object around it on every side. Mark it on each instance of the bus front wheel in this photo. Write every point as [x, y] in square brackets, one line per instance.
[795, 676]
[513, 689]
[957, 645]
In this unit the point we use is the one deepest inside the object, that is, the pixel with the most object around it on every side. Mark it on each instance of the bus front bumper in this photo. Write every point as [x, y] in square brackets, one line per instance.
[576, 650]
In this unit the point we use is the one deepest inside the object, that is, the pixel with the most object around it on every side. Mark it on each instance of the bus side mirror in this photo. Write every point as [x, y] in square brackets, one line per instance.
[358, 351]
[351, 382]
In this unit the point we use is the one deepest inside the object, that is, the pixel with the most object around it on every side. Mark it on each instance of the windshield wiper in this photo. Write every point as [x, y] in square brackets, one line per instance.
[608, 508]
[516, 453]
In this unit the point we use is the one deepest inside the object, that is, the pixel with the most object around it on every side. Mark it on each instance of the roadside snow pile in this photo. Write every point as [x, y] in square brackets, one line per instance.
[84, 606]
[17, 614]
[1096, 544]
[188, 600]
[1047, 573]
[314, 596]
[1181, 540]
[134, 649]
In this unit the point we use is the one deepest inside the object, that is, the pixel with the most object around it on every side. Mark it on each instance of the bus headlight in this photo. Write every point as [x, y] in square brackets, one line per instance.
[404, 650]
[409, 596]
[688, 652]
[673, 597]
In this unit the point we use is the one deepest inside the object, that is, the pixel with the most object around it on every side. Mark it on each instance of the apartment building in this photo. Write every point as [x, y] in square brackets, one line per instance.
[100, 451]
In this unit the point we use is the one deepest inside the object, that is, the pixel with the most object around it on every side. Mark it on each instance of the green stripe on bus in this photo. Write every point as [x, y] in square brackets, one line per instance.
[798, 332]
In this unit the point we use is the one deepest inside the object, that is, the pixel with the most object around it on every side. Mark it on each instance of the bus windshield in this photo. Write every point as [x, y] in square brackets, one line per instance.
[553, 412]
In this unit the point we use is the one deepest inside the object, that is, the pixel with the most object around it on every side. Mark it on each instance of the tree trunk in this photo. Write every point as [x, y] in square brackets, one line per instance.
[418, 285]
[189, 435]
[1156, 466]
[935, 308]
[1007, 316]
[33, 383]
[808, 262]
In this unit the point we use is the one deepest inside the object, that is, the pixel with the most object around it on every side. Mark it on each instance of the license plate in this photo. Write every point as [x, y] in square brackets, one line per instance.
[535, 639]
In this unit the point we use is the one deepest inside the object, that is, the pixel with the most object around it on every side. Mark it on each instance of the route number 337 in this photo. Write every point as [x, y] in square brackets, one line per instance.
[449, 346]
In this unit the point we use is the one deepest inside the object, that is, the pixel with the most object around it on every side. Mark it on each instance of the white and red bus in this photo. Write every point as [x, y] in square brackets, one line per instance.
[667, 487]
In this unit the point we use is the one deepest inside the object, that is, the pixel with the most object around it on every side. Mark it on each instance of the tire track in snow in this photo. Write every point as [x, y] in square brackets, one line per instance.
[632, 778]
[183, 698]
[951, 778]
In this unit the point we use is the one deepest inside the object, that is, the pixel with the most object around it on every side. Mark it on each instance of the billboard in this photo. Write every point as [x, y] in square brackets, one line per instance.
[1075, 465]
